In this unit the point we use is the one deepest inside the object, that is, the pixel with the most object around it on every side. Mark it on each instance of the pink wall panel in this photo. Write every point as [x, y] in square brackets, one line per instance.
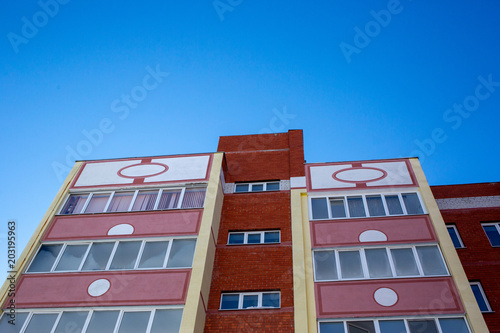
[406, 229]
[95, 226]
[423, 296]
[127, 288]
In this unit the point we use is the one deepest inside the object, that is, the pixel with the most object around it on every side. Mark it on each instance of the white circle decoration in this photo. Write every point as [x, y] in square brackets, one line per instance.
[142, 170]
[99, 287]
[372, 236]
[359, 175]
[121, 229]
[385, 297]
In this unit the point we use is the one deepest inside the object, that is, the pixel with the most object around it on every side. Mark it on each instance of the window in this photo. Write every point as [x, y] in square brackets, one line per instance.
[164, 320]
[396, 325]
[257, 187]
[256, 300]
[254, 237]
[116, 255]
[493, 232]
[373, 205]
[455, 237]
[139, 200]
[481, 299]
[378, 263]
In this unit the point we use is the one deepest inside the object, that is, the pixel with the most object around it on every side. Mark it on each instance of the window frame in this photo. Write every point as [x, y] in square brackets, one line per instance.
[111, 255]
[90, 311]
[364, 262]
[241, 296]
[345, 196]
[246, 233]
[457, 234]
[264, 186]
[159, 191]
[496, 225]
[483, 295]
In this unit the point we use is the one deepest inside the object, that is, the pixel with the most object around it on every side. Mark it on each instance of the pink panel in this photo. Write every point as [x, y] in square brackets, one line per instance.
[422, 296]
[127, 288]
[397, 229]
[95, 226]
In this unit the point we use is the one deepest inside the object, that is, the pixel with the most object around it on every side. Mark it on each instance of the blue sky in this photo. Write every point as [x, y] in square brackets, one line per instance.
[371, 80]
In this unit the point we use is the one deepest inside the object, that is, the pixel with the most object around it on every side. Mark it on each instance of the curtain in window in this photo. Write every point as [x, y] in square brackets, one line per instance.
[193, 198]
[412, 203]
[145, 200]
[169, 199]
[97, 203]
[75, 204]
[120, 202]
[356, 207]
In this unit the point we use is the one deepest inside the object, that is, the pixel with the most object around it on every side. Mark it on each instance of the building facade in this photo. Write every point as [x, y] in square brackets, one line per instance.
[247, 239]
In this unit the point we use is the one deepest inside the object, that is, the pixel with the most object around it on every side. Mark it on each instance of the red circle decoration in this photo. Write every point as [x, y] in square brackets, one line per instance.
[334, 175]
[120, 172]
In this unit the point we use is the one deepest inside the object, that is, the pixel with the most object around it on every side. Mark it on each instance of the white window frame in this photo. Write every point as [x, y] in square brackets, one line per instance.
[364, 262]
[264, 186]
[497, 226]
[259, 302]
[111, 255]
[246, 233]
[90, 311]
[345, 196]
[406, 319]
[483, 295]
[454, 228]
[134, 197]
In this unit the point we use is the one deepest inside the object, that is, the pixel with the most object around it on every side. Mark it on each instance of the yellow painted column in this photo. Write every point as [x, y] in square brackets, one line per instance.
[473, 313]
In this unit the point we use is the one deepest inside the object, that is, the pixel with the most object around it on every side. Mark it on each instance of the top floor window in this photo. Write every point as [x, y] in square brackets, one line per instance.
[493, 232]
[366, 205]
[257, 187]
[138, 200]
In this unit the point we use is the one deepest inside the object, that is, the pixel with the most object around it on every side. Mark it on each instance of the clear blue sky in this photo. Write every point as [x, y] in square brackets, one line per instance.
[370, 80]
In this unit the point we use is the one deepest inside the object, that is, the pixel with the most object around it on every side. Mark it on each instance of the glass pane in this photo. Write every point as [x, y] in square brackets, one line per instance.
[72, 257]
[6, 327]
[356, 207]
[257, 187]
[350, 264]
[238, 238]
[422, 326]
[412, 203]
[319, 208]
[167, 321]
[272, 237]
[378, 263]
[360, 327]
[253, 239]
[145, 200]
[71, 322]
[431, 261]
[479, 298]
[75, 204]
[153, 254]
[271, 300]
[404, 262]
[98, 257]
[273, 186]
[41, 323]
[338, 209]
[102, 322]
[169, 199]
[125, 255]
[392, 326]
[241, 188]
[182, 252]
[97, 203]
[375, 205]
[324, 265]
[134, 322]
[454, 237]
[120, 202]
[331, 328]
[229, 302]
[45, 258]
[393, 205]
[493, 235]
[250, 301]
[453, 325]
[193, 198]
